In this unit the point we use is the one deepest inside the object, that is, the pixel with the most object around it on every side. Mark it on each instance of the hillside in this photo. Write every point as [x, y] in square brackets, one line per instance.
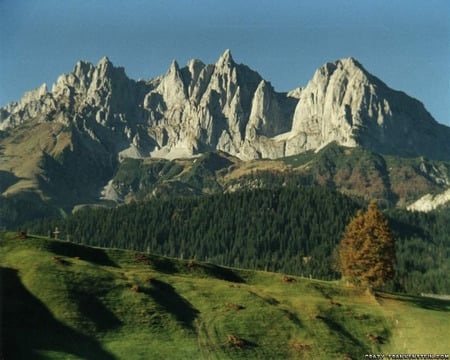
[356, 172]
[291, 229]
[62, 300]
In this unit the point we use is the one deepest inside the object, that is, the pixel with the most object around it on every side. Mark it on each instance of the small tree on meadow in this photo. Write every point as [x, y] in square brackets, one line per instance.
[366, 254]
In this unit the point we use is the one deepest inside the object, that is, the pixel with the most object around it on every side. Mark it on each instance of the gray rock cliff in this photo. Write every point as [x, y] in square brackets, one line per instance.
[346, 104]
[227, 106]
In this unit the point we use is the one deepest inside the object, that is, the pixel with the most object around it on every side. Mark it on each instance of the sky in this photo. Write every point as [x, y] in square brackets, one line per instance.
[406, 43]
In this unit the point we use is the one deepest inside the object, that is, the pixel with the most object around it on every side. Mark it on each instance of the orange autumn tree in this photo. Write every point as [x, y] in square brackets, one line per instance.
[366, 254]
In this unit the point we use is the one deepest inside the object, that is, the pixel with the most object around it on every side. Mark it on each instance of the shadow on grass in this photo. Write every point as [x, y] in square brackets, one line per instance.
[27, 326]
[97, 256]
[163, 265]
[237, 344]
[292, 317]
[339, 330]
[166, 297]
[171, 266]
[268, 300]
[214, 271]
[424, 302]
[7, 179]
[328, 292]
[94, 310]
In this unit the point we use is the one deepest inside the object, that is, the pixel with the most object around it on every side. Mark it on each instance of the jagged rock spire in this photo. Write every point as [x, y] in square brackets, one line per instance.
[172, 86]
[174, 67]
[104, 61]
[226, 59]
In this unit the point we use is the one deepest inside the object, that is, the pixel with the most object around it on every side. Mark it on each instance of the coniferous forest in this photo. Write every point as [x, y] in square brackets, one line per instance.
[289, 229]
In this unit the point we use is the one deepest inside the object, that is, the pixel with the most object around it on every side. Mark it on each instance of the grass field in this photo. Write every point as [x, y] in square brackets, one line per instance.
[66, 301]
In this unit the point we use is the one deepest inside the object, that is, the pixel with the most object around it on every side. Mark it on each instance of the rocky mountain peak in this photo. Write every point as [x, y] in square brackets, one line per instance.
[41, 91]
[345, 103]
[350, 62]
[174, 68]
[104, 62]
[195, 65]
[343, 68]
[105, 70]
[230, 107]
[173, 74]
[225, 60]
[83, 69]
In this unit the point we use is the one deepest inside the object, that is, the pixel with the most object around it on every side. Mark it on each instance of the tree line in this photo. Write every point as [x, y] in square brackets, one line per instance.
[293, 230]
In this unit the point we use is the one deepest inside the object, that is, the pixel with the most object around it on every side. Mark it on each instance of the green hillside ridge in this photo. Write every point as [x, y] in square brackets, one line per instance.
[357, 172]
[63, 300]
[54, 183]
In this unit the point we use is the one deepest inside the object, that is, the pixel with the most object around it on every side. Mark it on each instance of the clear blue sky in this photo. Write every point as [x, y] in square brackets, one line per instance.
[406, 43]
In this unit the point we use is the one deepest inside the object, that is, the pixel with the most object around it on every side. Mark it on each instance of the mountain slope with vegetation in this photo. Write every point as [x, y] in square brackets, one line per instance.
[63, 300]
[359, 173]
[288, 229]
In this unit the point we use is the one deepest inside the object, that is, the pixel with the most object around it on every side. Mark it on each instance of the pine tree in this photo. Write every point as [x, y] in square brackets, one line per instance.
[367, 251]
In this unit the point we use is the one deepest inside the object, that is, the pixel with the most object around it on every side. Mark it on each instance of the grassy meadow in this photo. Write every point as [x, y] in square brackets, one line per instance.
[61, 300]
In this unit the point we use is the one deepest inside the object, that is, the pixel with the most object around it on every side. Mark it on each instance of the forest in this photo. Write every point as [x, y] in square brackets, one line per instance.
[293, 230]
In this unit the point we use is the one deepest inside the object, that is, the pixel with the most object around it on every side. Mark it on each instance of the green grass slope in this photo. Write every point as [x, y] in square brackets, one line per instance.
[66, 301]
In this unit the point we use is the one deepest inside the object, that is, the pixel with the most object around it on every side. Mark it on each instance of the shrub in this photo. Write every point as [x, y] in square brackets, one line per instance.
[60, 260]
[235, 341]
[288, 279]
[300, 347]
[142, 258]
[374, 339]
[21, 235]
[192, 264]
[234, 306]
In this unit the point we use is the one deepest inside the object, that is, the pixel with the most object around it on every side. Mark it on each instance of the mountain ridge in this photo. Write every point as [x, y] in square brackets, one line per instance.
[67, 144]
[229, 107]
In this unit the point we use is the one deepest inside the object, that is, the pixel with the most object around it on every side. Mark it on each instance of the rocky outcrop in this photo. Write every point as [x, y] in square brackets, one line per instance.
[227, 106]
[346, 104]
[430, 202]
[33, 105]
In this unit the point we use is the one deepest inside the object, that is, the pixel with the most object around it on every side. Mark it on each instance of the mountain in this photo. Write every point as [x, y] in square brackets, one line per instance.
[62, 147]
[346, 104]
[229, 107]
[64, 300]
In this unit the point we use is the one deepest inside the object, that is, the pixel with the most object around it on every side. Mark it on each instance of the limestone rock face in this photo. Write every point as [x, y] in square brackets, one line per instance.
[33, 105]
[227, 106]
[346, 104]
[429, 202]
[207, 108]
[324, 111]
